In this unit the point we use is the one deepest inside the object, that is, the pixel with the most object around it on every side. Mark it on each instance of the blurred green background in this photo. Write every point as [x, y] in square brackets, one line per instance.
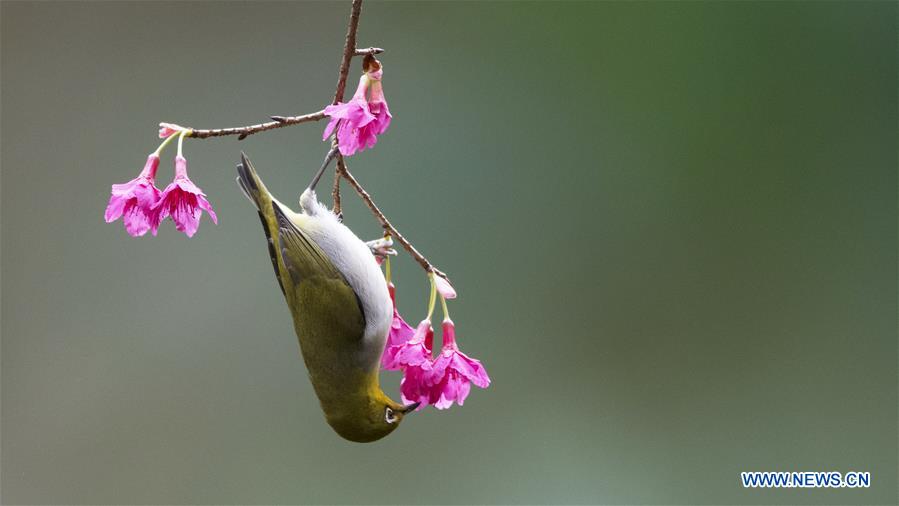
[672, 227]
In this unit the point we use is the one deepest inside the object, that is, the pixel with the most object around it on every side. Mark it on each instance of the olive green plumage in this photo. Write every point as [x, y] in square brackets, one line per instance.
[328, 317]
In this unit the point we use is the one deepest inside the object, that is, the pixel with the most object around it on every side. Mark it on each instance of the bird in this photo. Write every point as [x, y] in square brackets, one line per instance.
[340, 305]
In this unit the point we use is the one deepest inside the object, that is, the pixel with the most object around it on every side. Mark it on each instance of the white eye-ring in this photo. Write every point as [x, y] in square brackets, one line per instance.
[390, 416]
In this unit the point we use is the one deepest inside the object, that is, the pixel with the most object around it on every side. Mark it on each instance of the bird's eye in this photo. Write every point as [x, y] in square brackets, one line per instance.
[390, 416]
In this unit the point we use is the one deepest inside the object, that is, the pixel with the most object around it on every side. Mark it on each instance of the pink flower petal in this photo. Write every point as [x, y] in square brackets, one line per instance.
[137, 221]
[206, 206]
[114, 208]
[412, 389]
[382, 121]
[330, 128]
[451, 389]
[361, 88]
[470, 368]
[417, 351]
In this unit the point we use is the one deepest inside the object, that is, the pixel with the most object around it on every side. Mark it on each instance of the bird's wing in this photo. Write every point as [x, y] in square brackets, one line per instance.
[301, 255]
[317, 292]
[327, 302]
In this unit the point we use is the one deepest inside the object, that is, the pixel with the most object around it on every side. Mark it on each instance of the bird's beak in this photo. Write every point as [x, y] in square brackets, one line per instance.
[318, 175]
[410, 407]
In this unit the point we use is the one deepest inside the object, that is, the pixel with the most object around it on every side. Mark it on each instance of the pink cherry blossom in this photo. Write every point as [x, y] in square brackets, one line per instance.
[417, 350]
[415, 359]
[135, 201]
[184, 201]
[452, 372]
[400, 333]
[360, 121]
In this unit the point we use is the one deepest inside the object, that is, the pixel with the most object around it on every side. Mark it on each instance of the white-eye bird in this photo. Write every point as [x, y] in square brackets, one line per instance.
[340, 305]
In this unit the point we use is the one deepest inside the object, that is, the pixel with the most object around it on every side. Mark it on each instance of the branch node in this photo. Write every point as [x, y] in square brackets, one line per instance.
[367, 51]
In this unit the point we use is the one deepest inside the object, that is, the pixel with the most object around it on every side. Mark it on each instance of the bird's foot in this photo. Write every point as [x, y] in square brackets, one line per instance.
[381, 248]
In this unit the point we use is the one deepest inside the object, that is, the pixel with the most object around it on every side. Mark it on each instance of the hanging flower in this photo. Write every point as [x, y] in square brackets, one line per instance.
[441, 381]
[417, 350]
[360, 121]
[135, 200]
[451, 373]
[415, 359]
[184, 201]
[400, 333]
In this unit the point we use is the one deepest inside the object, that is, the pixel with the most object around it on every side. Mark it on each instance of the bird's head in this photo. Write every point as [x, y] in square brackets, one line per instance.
[369, 418]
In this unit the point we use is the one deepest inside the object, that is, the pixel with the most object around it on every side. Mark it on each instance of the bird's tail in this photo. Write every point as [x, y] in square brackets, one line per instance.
[251, 186]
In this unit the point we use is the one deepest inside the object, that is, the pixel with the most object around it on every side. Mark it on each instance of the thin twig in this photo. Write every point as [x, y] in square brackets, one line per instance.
[244, 131]
[349, 50]
[335, 192]
[335, 189]
[385, 223]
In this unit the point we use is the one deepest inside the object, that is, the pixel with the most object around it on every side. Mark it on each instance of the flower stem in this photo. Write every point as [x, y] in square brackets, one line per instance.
[445, 310]
[181, 142]
[433, 298]
[387, 268]
[165, 143]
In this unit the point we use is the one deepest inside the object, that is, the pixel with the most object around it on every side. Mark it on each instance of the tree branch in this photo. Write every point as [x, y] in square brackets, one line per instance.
[244, 131]
[385, 223]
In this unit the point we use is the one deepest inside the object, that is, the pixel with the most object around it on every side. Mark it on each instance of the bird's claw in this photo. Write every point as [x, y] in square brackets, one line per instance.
[381, 248]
